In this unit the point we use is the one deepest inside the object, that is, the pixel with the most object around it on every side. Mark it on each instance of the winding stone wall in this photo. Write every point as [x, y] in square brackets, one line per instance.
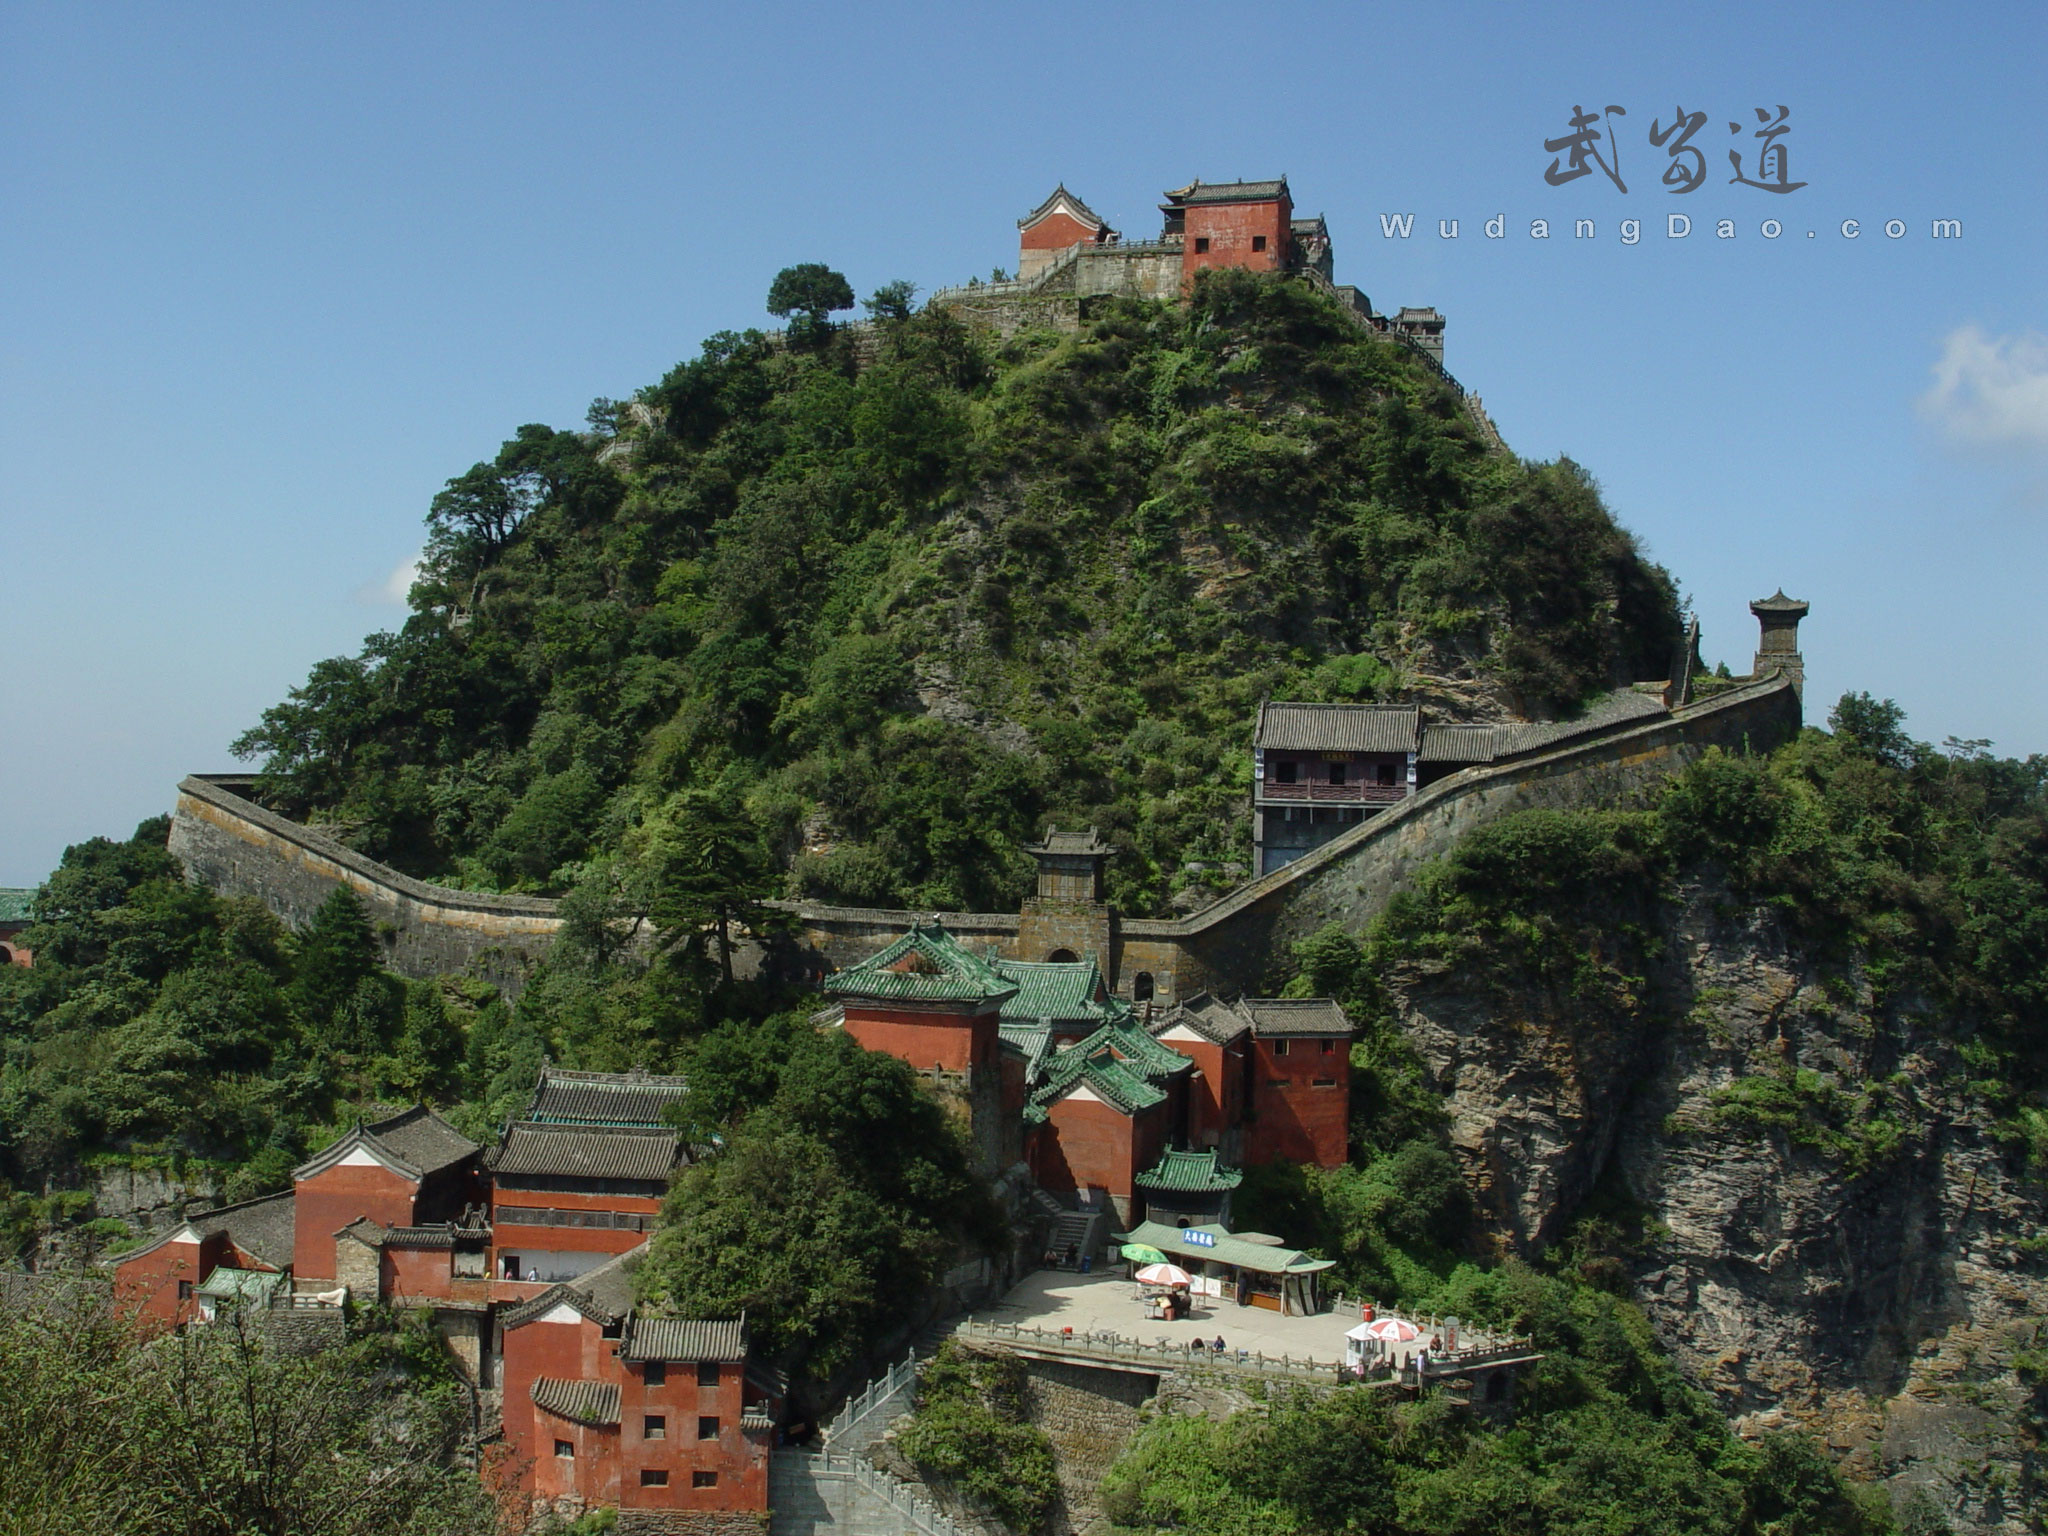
[1239, 944]
[240, 849]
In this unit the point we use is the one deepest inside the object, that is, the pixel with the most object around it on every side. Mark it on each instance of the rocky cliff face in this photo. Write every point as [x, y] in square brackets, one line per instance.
[1828, 1234]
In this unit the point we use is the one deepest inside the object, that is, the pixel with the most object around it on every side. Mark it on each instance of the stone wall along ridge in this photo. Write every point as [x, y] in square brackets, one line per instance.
[238, 848]
[1238, 944]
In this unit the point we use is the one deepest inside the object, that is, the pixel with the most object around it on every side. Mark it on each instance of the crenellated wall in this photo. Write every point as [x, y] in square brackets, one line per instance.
[1241, 944]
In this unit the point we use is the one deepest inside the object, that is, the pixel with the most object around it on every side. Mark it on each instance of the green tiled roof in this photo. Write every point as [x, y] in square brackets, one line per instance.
[239, 1284]
[1226, 1249]
[17, 906]
[1100, 1072]
[1053, 990]
[1136, 1050]
[1191, 1173]
[1033, 1039]
[927, 964]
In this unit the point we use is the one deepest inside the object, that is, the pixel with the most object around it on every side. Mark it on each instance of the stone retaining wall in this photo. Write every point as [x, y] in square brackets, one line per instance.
[1239, 944]
[240, 849]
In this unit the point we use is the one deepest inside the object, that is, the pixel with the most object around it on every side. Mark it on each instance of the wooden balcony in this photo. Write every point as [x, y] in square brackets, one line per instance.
[1317, 792]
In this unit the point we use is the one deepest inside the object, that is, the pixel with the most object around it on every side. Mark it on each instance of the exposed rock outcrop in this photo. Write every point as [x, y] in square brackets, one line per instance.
[1831, 1235]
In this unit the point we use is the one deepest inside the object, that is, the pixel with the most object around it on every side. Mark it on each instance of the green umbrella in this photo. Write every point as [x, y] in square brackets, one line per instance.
[1138, 1253]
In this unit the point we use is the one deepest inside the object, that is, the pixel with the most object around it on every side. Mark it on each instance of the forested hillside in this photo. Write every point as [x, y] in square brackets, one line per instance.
[895, 596]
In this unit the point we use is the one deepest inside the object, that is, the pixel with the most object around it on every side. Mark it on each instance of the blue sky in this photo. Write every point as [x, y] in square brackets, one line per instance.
[275, 272]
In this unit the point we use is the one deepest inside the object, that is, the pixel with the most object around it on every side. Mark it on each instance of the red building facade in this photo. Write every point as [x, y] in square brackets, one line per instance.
[606, 1407]
[1246, 224]
[411, 1170]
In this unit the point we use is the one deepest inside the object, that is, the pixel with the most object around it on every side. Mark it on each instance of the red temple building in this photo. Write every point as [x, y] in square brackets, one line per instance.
[580, 1177]
[1098, 1099]
[411, 1170]
[607, 1406]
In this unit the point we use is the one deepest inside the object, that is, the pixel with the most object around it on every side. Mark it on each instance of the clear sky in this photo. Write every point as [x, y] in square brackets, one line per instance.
[270, 274]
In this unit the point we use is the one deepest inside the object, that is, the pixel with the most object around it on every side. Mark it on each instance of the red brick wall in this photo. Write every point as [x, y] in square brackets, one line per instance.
[954, 1041]
[1298, 1121]
[1230, 229]
[1216, 1096]
[1086, 1144]
[329, 1201]
[417, 1272]
[608, 1462]
[147, 1285]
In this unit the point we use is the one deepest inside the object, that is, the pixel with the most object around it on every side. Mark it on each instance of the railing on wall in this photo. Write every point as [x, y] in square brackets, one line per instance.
[1321, 793]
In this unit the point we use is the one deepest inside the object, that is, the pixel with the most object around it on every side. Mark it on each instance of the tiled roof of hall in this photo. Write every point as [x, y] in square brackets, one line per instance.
[1279, 1016]
[17, 905]
[1075, 844]
[1137, 1050]
[586, 1152]
[1032, 1039]
[415, 1142]
[580, 1402]
[1100, 1073]
[1075, 206]
[1054, 989]
[1207, 1015]
[1199, 191]
[927, 964]
[262, 1228]
[1294, 727]
[1190, 1173]
[723, 1340]
[602, 1098]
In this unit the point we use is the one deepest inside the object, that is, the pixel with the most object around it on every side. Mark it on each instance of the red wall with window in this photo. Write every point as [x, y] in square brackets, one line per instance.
[511, 1235]
[724, 1470]
[1252, 235]
[1301, 1094]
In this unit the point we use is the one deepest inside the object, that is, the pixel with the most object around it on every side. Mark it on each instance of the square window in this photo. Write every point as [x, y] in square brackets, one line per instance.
[703, 1479]
[1329, 1047]
[565, 1448]
[1283, 773]
[657, 1373]
[654, 1477]
[1201, 244]
[654, 1427]
[184, 1290]
[1258, 242]
[1336, 773]
[707, 1373]
[707, 1427]
[1279, 1047]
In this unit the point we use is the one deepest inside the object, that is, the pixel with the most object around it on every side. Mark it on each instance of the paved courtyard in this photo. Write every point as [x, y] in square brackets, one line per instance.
[1108, 1303]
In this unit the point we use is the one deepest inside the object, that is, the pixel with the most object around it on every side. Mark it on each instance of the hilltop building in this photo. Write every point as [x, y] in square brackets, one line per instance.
[1068, 256]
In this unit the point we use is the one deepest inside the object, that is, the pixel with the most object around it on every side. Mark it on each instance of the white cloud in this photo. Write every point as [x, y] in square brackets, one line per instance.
[1990, 390]
[392, 590]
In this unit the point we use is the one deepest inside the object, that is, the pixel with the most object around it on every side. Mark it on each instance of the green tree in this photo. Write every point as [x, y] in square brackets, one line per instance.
[706, 868]
[805, 294]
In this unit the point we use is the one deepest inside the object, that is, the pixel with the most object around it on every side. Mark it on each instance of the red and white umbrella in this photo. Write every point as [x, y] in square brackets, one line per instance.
[1164, 1274]
[1394, 1330]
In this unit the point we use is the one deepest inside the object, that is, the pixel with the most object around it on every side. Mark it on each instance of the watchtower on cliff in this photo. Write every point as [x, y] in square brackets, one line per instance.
[1777, 647]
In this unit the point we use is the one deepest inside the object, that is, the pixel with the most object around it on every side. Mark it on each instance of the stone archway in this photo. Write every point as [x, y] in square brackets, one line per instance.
[1062, 957]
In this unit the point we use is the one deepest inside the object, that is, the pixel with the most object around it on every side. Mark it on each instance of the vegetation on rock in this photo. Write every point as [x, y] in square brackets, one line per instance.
[899, 596]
